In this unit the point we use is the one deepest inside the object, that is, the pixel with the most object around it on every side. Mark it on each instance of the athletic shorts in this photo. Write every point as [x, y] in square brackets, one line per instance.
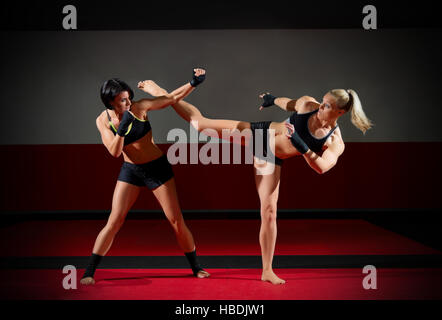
[263, 134]
[151, 174]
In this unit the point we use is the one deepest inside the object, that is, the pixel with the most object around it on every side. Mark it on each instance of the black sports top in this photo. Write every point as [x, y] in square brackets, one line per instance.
[300, 122]
[137, 129]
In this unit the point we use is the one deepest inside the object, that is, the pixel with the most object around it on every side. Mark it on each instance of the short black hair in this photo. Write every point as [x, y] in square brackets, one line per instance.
[112, 88]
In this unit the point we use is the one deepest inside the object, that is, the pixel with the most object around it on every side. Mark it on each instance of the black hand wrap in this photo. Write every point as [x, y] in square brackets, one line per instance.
[125, 122]
[196, 80]
[269, 100]
[298, 143]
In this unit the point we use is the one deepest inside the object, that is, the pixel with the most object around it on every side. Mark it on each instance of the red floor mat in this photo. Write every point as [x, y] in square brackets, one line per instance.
[213, 237]
[225, 284]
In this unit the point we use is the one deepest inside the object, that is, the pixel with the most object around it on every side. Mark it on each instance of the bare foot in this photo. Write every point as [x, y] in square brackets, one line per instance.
[271, 277]
[151, 88]
[87, 281]
[202, 274]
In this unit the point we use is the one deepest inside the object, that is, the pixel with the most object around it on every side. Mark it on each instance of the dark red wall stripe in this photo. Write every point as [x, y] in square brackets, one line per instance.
[82, 177]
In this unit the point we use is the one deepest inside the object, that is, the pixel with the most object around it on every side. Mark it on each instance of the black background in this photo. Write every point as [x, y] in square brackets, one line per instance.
[143, 15]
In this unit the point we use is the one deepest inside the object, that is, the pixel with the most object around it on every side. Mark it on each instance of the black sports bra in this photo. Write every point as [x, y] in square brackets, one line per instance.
[137, 129]
[300, 122]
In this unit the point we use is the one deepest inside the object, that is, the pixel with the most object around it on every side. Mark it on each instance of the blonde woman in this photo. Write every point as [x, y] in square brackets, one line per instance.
[311, 131]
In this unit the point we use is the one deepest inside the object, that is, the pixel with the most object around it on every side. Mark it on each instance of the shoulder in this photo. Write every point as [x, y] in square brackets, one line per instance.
[338, 131]
[101, 119]
[139, 108]
[140, 104]
[335, 143]
[338, 134]
[338, 141]
[307, 104]
[308, 99]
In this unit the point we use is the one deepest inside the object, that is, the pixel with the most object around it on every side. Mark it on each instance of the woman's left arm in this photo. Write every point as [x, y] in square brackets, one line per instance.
[321, 164]
[171, 98]
[329, 158]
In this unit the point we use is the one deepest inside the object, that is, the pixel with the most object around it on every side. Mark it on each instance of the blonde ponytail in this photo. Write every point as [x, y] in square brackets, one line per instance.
[349, 101]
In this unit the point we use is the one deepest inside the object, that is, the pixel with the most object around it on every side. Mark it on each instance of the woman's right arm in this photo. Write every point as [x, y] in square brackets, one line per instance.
[284, 103]
[113, 143]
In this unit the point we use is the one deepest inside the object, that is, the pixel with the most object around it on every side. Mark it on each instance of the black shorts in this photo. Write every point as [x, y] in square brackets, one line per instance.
[152, 174]
[262, 134]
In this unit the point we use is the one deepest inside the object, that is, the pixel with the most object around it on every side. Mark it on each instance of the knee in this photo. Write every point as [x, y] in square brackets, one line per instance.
[177, 224]
[114, 226]
[268, 213]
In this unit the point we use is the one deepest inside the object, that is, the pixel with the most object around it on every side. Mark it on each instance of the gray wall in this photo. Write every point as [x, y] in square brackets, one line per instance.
[51, 80]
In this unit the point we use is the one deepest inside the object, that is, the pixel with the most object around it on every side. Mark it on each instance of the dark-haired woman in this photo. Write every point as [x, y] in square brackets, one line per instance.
[311, 131]
[125, 129]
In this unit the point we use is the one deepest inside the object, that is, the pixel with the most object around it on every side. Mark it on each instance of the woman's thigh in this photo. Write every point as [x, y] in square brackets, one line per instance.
[125, 195]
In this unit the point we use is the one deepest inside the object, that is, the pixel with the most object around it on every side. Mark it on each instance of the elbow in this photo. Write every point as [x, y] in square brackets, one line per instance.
[322, 170]
[115, 153]
[318, 169]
